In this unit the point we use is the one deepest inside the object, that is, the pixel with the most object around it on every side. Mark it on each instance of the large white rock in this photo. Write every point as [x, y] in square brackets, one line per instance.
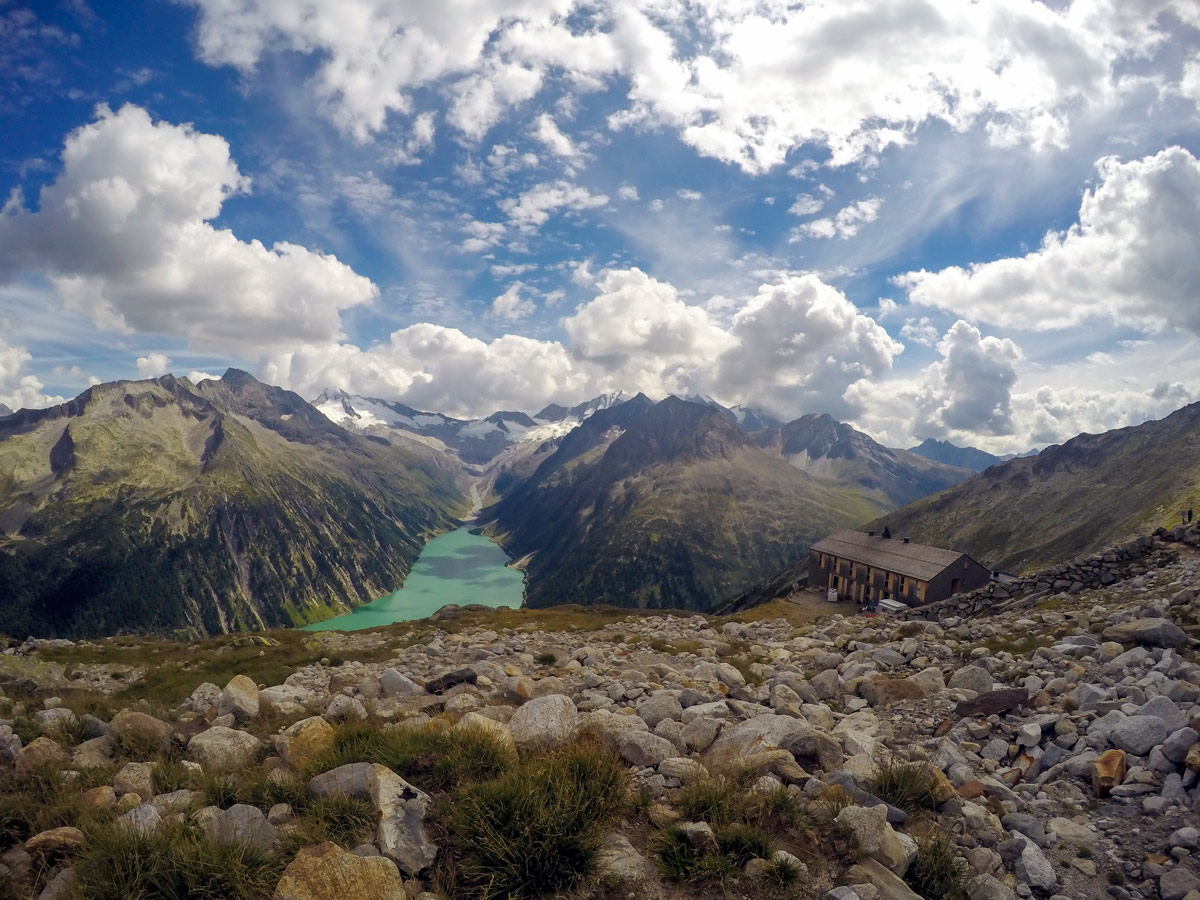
[239, 699]
[221, 749]
[401, 808]
[544, 722]
[773, 732]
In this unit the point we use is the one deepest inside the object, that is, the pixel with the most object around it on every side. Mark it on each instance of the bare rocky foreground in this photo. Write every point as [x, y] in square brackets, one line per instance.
[1059, 746]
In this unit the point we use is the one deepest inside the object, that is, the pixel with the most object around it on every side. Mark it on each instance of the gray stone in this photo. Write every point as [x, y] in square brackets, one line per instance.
[809, 746]
[658, 707]
[137, 729]
[971, 678]
[401, 808]
[985, 887]
[1186, 837]
[1178, 883]
[239, 699]
[620, 861]
[1177, 745]
[343, 708]
[1026, 825]
[394, 683]
[1138, 734]
[1150, 632]
[1163, 708]
[221, 749]
[143, 819]
[640, 748]
[240, 824]
[1032, 867]
[544, 722]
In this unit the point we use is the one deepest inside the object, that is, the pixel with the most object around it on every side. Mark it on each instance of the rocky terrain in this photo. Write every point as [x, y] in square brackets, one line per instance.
[1051, 751]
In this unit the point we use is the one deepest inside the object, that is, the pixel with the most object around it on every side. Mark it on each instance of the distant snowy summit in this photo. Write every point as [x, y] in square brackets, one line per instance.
[476, 441]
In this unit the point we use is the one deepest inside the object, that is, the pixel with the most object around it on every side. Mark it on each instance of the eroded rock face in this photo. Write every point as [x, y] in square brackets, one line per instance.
[401, 809]
[327, 872]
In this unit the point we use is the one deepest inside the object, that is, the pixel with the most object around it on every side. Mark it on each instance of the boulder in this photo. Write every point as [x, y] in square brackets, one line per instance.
[887, 885]
[10, 744]
[143, 819]
[327, 872]
[304, 741]
[394, 683]
[1032, 867]
[658, 707]
[1178, 883]
[992, 703]
[447, 680]
[240, 824]
[41, 753]
[55, 840]
[619, 861]
[400, 806]
[343, 708]
[971, 678]
[773, 732]
[685, 769]
[544, 722]
[640, 748]
[239, 699]
[135, 778]
[221, 749]
[142, 731]
[1151, 632]
[1138, 734]
[497, 731]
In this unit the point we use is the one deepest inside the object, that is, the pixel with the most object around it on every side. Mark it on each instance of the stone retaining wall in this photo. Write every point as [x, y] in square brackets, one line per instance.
[1095, 571]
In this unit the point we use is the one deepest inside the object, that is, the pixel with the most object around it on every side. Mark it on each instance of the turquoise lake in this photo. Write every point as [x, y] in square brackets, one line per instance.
[458, 567]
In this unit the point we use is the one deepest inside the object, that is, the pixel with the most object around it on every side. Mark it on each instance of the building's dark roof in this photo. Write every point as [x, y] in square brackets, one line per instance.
[914, 560]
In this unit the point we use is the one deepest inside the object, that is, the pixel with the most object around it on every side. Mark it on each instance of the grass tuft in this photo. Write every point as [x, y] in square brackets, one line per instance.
[674, 856]
[936, 874]
[432, 758]
[911, 787]
[546, 659]
[536, 830]
[742, 843]
[173, 862]
[717, 801]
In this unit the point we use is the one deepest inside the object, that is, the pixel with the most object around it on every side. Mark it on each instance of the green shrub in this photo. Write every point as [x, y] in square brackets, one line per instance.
[778, 809]
[536, 830]
[347, 821]
[546, 659]
[173, 862]
[742, 843]
[673, 854]
[785, 872]
[717, 801]
[432, 758]
[910, 786]
[936, 874]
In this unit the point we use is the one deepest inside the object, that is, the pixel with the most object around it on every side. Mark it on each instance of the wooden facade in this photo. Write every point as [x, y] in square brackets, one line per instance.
[866, 567]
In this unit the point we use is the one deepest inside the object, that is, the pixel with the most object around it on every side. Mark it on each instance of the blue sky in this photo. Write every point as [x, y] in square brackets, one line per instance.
[928, 218]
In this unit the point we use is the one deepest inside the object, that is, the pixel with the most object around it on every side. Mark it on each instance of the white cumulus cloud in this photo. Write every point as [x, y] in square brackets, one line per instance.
[123, 234]
[1132, 258]
[153, 365]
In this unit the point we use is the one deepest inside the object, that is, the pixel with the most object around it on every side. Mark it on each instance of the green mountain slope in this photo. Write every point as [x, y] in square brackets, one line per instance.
[843, 457]
[667, 505]
[159, 505]
[1075, 498]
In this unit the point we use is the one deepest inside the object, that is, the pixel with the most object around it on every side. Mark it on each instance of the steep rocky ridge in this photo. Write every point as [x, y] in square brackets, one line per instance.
[1071, 499]
[952, 455]
[661, 505]
[840, 455]
[231, 504]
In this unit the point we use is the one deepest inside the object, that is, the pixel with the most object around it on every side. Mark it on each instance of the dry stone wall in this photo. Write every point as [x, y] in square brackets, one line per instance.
[1090, 572]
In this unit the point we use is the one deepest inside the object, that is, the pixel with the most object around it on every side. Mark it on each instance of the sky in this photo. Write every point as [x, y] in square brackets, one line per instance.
[978, 222]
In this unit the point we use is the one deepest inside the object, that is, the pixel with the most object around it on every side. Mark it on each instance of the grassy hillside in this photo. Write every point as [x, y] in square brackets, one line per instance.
[1071, 499]
[160, 505]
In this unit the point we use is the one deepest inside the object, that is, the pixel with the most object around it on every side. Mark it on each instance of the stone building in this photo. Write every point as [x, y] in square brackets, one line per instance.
[866, 567]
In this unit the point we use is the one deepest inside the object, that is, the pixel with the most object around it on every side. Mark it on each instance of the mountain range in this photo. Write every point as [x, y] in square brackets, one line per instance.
[1069, 499]
[164, 505]
[229, 504]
